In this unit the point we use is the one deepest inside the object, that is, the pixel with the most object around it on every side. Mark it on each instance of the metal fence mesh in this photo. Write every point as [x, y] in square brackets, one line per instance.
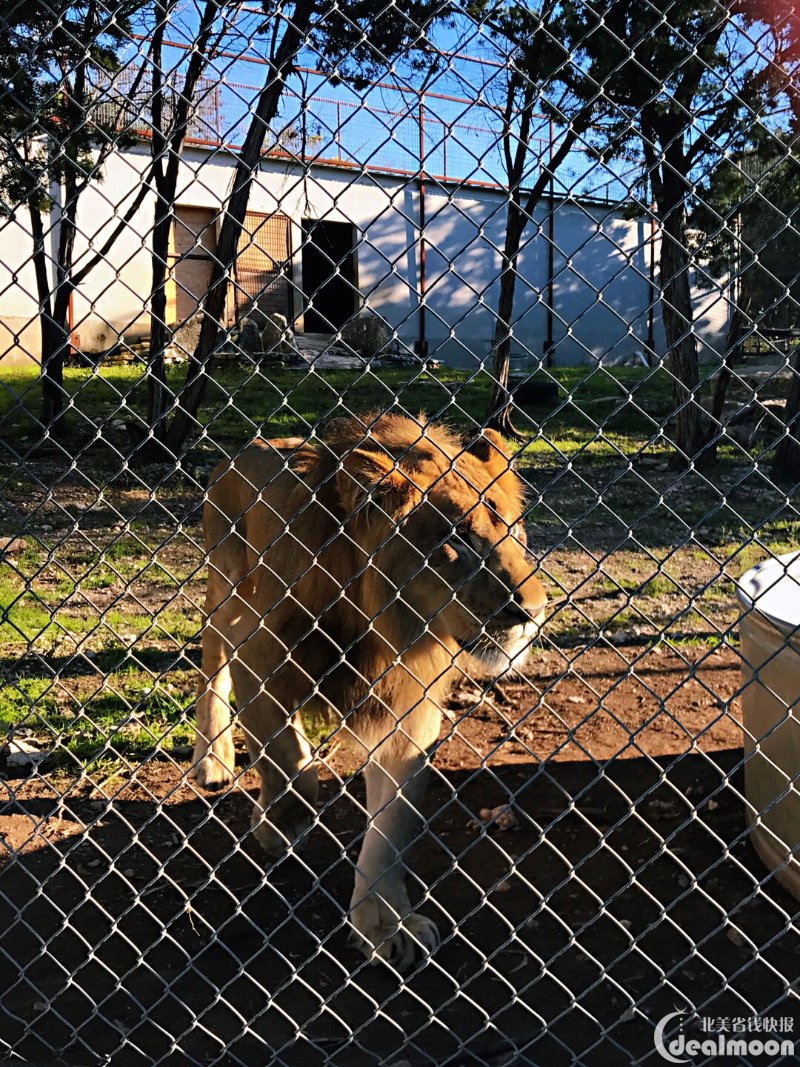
[509, 298]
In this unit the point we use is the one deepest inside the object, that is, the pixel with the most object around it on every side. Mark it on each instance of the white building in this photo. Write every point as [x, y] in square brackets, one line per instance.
[331, 239]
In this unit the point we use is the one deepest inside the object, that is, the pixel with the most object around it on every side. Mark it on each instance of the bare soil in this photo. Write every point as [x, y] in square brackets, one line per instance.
[142, 925]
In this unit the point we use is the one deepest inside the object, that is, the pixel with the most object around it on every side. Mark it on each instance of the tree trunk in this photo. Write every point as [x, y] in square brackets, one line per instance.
[159, 250]
[786, 464]
[54, 337]
[166, 146]
[67, 165]
[157, 399]
[191, 396]
[676, 314]
[499, 411]
[498, 415]
[732, 346]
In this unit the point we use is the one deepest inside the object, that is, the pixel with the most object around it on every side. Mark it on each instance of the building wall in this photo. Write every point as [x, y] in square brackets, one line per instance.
[113, 300]
[20, 340]
[601, 263]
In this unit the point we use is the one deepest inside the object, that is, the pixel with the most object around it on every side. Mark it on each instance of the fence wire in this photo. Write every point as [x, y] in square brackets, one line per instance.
[400, 425]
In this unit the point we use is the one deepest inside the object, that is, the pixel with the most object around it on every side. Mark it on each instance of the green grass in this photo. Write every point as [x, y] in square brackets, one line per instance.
[742, 557]
[28, 701]
[24, 616]
[280, 402]
[123, 548]
[99, 577]
[702, 640]
[129, 718]
[26, 613]
[659, 585]
[603, 409]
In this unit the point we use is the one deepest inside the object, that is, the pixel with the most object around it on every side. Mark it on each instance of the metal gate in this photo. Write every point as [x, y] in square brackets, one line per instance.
[263, 269]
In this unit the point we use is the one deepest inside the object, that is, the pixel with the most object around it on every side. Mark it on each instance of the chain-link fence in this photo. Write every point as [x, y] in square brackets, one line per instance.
[453, 720]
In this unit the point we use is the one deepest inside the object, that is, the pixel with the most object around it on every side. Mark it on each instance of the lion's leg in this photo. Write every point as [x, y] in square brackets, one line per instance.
[279, 749]
[396, 776]
[214, 757]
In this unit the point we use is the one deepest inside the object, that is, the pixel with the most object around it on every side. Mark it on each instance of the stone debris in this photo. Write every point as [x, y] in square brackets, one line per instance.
[501, 818]
[24, 753]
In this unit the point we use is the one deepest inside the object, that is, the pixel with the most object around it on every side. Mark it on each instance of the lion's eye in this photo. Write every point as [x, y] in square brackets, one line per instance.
[476, 543]
[495, 516]
[466, 538]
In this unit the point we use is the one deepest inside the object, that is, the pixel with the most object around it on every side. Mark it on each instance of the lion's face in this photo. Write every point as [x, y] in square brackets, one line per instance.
[477, 586]
[455, 552]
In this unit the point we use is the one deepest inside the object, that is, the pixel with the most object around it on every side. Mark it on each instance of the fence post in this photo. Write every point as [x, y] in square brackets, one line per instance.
[651, 297]
[421, 345]
[551, 237]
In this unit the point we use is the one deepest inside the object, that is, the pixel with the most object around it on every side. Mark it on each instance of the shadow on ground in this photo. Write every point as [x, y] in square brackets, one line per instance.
[148, 929]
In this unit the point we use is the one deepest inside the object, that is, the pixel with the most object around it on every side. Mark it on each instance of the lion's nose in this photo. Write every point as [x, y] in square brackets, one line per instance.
[528, 606]
[517, 612]
[521, 611]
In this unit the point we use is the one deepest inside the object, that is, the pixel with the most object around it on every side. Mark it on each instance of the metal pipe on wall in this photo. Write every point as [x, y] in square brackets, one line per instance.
[421, 345]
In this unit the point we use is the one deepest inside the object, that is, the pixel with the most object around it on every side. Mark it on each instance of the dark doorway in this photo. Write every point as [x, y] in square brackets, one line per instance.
[330, 297]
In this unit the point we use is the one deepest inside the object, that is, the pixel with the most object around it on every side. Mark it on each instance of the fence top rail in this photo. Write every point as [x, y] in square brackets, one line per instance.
[355, 132]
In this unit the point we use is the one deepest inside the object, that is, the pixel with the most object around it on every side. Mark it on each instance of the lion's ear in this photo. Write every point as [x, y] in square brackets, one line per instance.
[491, 448]
[365, 476]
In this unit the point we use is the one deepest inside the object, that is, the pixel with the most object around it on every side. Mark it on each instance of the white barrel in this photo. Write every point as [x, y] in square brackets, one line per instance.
[769, 595]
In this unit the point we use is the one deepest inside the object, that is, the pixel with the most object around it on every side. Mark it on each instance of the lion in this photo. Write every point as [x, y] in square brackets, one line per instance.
[357, 576]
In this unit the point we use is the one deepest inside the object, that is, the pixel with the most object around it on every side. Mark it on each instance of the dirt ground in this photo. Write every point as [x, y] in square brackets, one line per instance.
[142, 926]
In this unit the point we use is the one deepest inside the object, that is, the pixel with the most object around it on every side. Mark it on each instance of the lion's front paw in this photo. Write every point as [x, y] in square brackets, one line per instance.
[277, 836]
[400, 943]
[213, 766]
